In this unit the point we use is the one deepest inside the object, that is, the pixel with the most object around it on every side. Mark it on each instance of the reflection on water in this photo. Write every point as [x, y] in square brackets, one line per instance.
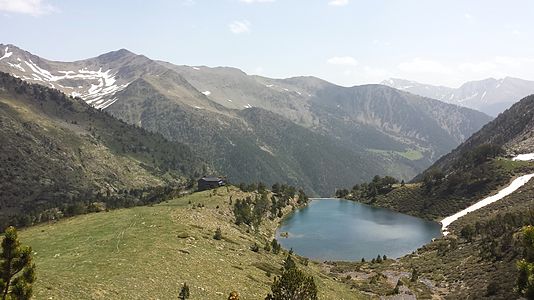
[333, 229]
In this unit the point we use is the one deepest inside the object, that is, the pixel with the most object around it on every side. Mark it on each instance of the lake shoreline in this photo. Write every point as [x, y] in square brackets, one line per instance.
[409, 234]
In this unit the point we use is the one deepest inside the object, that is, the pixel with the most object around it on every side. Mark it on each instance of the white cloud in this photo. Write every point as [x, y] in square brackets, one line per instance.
[256, 1]
[420, 65]
[338, 2]
[468, 16]
[238, 27]
[343, 60]
[29, 7]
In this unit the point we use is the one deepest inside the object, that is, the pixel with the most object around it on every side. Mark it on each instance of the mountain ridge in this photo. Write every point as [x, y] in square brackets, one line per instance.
[371, 123]
[490, 95]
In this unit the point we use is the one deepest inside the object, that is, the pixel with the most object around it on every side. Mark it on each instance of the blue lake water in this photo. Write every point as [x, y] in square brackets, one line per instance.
[335, 229]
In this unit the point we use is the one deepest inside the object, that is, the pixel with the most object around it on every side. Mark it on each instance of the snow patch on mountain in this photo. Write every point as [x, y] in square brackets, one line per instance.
[468, 97]
[6, 53]
[17, 66]
[514, 186]
[524, 157]
[103, 84]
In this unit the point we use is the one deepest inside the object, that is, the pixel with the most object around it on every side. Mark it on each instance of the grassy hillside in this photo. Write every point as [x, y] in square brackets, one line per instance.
[57, 150]
[437, 196]
[478, 259]
[148, 252]
[512, 130]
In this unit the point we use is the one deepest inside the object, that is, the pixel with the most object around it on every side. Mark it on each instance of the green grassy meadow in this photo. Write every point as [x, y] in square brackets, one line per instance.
[148, 252]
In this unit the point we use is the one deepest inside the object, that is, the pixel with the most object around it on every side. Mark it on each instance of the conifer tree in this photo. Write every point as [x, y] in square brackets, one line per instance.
[16, 267]
[293, 285]
[218, 234]
[525, 266]
[415, 275]
[184, 293]
[275, 246]
[289, 263]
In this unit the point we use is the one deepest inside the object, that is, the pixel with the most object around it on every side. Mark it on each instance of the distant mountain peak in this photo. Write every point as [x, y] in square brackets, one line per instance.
[490, 95]
[117, 54]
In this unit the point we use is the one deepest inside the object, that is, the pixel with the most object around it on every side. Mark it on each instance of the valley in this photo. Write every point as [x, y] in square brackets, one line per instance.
[266, 150]
[184, 250]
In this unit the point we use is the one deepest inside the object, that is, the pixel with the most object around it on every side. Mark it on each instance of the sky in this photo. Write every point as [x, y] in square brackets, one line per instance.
[347, 42]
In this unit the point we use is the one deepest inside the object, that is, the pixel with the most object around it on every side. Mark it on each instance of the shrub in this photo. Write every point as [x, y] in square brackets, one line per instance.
[184, 292]
[293, 284]
[218, 234]
[255, 247]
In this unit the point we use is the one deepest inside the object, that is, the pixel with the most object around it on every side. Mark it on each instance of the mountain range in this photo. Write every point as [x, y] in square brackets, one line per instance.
[491, 96]
[303, 130]
[121, 129]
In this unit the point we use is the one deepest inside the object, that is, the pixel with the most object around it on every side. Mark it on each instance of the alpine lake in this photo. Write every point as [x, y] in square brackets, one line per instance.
[343, 230]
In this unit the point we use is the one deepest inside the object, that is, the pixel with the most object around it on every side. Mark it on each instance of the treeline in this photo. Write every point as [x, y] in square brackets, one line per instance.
[45, 211]
[378, 186]
[471, 175]
[251, 211]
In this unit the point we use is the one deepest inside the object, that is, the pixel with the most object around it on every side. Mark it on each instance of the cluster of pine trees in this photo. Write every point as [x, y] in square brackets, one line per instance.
[377, 186]
[252, 211]
[473, 174]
